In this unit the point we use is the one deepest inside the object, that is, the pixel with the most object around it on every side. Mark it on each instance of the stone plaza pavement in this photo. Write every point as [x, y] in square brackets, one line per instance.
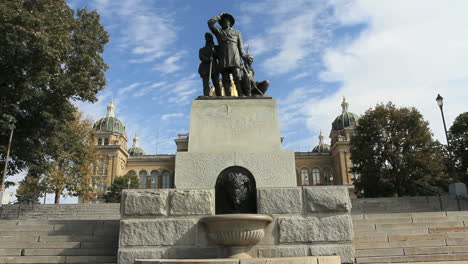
[386, 230]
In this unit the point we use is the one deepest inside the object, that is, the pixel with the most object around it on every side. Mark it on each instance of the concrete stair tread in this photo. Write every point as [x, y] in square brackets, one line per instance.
[413, 258]
[59, 259]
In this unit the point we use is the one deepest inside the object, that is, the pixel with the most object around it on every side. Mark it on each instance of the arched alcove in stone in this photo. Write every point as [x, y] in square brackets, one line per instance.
[236, 191]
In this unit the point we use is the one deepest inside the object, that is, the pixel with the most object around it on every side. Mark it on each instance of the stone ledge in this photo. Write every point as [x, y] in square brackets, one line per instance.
[279, 200]
[319, 199]
[144, 202]
[161, 232]
[192, 202]
[313, 229]
[287, 260]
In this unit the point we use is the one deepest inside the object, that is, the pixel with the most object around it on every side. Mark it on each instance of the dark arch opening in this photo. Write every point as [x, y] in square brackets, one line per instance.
[235, 191]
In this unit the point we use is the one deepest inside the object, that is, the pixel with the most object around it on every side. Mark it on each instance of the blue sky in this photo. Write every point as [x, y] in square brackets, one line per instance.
[314, 52]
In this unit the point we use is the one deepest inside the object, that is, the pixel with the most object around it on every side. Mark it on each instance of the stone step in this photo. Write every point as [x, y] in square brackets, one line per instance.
[453, 235]
[434, 262]
[71, 252]
[383, 221]
[16, 244]
[400, 244]
[416, 230]
[413, 258]
[78, 238]
[10, 252]
[20, 238]
[419, 225]
[379, 252]
[403, 215]
[448, 229]
[59, 259]
[436, 250]
[371, 238]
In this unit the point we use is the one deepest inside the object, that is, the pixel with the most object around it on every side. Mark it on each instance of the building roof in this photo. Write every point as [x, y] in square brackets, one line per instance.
[110, 122]
[346, 118]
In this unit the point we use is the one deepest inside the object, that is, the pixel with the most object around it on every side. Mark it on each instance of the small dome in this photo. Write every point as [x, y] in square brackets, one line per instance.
[135, 150]
[110, 122]
[346, 119]
[322, 147]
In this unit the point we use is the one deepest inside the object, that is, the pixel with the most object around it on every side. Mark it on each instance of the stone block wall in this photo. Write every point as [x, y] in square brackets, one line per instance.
[164, 223]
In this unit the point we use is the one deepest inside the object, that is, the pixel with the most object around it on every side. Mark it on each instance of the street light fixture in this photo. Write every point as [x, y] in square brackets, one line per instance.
[440, 102]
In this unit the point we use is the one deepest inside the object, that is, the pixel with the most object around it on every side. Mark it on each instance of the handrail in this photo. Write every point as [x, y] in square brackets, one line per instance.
[429, 187]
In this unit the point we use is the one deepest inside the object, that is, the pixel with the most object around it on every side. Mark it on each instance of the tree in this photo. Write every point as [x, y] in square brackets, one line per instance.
[49, 56]
[72, 155]
[31, 188]
[458, 136]
[392, 148]
[128, 181]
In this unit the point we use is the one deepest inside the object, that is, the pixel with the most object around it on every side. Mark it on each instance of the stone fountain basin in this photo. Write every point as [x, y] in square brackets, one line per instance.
[236, 229]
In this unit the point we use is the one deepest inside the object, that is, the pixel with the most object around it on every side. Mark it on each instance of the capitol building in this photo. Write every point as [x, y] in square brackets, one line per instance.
[326, 164]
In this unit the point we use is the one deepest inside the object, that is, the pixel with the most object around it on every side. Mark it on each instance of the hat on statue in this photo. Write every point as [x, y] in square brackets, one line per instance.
[228, 16]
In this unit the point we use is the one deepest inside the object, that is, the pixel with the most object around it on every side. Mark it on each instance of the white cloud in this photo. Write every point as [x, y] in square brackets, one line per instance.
[148, 88]
[145, 31]
[171, 64]
[295, 32]
[171, 116]
[128, 88]
[408, 52]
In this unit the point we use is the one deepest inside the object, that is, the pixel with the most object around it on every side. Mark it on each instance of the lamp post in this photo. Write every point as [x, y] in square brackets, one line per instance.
[440, 102]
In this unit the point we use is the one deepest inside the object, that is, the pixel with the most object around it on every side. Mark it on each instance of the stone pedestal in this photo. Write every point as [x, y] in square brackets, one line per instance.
[458, 189]
[165, 224]
[234, 132]
[4, 198]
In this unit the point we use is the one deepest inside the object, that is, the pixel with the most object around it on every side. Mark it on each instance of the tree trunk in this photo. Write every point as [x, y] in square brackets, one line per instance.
[58, 193]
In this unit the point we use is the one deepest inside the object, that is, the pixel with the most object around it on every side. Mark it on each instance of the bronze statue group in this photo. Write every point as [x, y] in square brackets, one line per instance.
[225, 59]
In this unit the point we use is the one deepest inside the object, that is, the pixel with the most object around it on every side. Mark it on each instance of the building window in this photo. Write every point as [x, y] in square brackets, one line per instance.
[99, 141]
[328, 176]
[143, 174]
[166, 179]
[316, 176]
[154, 179]
[304, 176]
[100, 168]
[106, 141]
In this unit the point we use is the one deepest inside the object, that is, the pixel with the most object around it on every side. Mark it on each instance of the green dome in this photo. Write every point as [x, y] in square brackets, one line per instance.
[110, 122]
[322, 147]
[346, 119]
[136, 151]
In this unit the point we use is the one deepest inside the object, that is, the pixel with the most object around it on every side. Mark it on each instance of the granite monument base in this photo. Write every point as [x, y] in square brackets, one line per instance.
[165, 224]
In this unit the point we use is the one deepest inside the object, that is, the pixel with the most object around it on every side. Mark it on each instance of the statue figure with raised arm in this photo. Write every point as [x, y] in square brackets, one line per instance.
[230, 51]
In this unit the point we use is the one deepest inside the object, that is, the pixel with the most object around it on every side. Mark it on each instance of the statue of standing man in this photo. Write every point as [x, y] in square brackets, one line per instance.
[230, 52]
[208, 68]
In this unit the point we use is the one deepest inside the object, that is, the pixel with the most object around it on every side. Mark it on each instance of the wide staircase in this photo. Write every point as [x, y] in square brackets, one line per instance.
[59, 233]
[411, 230]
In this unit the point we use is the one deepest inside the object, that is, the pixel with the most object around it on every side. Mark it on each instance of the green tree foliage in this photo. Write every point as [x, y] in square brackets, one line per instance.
[71, 158]
[459, 146]
[128, 181]
[49, 56]
[392, 148]
[31, 188]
